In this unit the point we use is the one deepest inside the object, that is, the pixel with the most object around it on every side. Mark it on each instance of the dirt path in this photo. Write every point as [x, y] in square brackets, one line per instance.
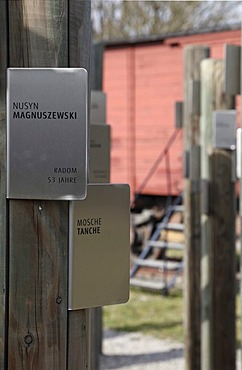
[134, 351]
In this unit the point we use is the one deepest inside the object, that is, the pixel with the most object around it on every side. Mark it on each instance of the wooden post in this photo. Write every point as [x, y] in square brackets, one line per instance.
[96, 336]
[3, 212]
[42, 334]
[193, 57]
[79, 351]
[218, 230]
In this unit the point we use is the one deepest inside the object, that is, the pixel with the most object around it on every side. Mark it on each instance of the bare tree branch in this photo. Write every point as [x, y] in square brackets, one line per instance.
[124, 19]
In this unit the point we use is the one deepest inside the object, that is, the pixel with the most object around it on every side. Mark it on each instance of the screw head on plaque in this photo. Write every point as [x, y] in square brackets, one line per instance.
[47, 133]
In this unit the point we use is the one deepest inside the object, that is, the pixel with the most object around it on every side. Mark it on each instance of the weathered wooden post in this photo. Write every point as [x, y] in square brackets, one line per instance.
[218, 228]
[193, 56]
[233, 73]
[41, 332]
[3, 214]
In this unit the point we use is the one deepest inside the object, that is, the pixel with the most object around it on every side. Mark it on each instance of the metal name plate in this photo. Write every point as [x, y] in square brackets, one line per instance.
[98, 107]
[232, 69]
[47, 133]
[99, 260]
[224, 129]
[99, 155]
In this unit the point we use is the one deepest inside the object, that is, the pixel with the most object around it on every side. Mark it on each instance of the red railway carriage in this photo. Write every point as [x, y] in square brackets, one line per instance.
[143, 79]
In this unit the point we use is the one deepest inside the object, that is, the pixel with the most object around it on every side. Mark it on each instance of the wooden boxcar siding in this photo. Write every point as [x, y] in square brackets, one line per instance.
[143, 82]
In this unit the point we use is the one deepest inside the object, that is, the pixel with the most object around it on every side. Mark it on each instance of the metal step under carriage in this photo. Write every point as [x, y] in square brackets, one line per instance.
[169, 268]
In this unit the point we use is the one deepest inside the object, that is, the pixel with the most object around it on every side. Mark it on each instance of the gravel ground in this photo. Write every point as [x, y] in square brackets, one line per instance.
[134, 351]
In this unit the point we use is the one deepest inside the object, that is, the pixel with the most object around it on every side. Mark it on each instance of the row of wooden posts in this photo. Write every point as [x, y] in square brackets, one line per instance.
[36, 329]
[209, 195]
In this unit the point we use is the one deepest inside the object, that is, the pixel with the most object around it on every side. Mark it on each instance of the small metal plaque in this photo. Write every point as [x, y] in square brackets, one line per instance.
[99, 155]
[47, 133]
[224, 129]
[179, 114]
[232, 69]
[98, 107]
[99, 261]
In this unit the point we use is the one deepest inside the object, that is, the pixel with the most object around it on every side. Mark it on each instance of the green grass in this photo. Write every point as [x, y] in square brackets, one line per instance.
[153, 314]
[149, 313]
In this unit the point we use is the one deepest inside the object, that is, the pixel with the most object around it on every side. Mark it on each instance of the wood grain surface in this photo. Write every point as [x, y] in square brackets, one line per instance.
[3, 204]
[192, 58]
[216, 356]
[42, 333]
[38, 284]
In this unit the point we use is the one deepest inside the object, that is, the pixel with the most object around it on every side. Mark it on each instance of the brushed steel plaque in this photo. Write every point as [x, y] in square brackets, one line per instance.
[99, 154]
[99, 260]
[47, 133]
[98, 107]
[224, 129]
[232, 79]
